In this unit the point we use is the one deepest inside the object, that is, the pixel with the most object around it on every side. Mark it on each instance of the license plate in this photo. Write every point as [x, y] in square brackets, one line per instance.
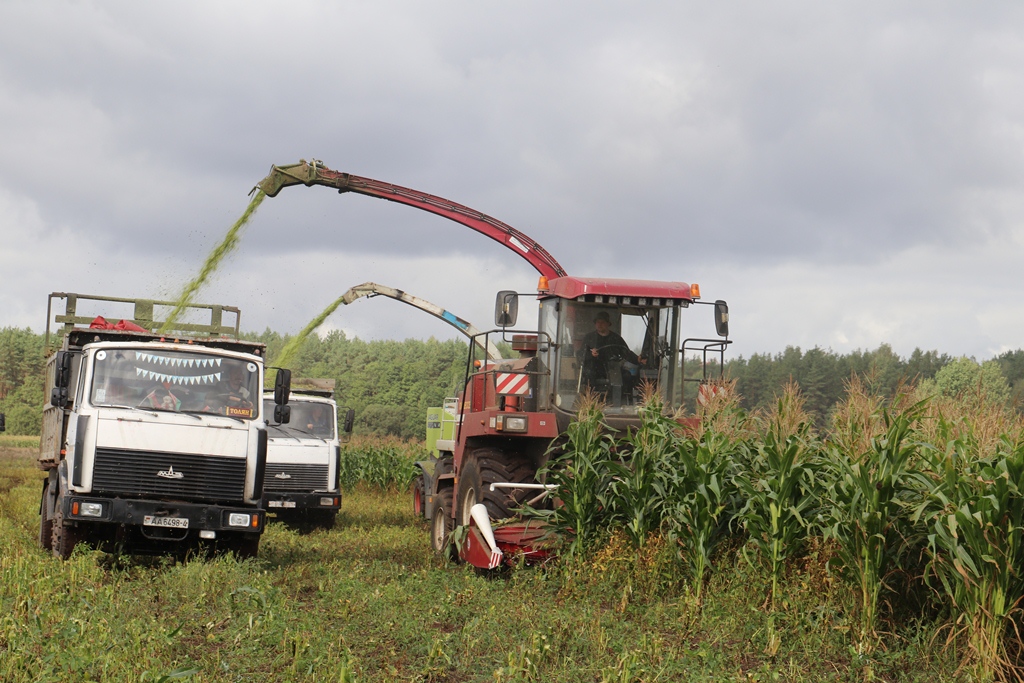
[281, 504]
[174, 522]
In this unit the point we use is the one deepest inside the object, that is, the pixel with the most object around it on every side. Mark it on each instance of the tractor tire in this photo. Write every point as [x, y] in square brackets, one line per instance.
[442, 524]
[64, 536]
[419, 486]
[485, 466]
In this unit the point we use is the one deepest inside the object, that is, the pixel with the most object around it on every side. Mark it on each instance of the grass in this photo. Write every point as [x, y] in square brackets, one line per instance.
[367, 601]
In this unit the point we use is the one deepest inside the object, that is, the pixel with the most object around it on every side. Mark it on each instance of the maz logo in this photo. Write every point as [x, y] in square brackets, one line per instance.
[169, 473]
[282, 475]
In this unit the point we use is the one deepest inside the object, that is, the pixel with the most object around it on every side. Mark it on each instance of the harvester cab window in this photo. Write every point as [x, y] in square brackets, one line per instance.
[174, 381]
[613, 352]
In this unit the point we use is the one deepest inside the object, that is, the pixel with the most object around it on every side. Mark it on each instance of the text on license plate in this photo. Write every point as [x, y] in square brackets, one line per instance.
[176, 522]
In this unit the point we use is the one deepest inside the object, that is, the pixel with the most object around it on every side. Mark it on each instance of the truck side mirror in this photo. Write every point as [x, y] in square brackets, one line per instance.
[722, 318]
[59, 397]
[350, 420]
[282, 414]
[282, 387]
[62, 370]
[506, 309]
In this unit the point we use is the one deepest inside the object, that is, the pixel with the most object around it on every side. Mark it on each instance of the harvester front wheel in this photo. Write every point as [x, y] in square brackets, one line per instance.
[442, 524]
[485, 466]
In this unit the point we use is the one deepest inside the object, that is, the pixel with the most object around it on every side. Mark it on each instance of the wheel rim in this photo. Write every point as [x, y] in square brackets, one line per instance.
[468, 501]
[438, 530]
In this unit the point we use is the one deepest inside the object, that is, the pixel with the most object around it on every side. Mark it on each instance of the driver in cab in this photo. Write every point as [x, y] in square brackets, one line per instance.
[603, 344]
[233, 399]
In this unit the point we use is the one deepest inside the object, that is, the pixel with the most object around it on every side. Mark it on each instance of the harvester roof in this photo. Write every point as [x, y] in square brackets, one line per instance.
[588, 287]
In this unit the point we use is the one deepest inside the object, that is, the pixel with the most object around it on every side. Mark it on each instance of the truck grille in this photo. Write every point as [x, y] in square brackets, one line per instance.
[169, 475]
[299, 477]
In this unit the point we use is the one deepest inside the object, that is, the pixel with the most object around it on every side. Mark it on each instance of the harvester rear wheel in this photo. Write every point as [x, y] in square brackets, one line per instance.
[442, 524]
[419, 486]
[485, 466]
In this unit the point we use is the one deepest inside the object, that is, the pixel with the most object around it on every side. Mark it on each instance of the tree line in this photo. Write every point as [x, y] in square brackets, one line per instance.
[390, 384]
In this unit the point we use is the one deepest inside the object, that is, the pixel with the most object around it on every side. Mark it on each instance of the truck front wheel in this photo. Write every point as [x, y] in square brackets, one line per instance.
[64, 537]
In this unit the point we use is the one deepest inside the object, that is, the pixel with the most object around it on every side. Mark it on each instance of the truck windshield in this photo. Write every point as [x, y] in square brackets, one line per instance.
[175, 381]
[614, 352]
[310, 417]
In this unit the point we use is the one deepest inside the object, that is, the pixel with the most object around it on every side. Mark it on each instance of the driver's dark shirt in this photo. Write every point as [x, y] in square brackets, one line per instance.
[605, 344]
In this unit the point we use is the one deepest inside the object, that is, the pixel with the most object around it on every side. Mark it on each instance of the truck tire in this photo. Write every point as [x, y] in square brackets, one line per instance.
[245, 546]
[442, 524]
[45, 521]
[64, 537]
[485, 466]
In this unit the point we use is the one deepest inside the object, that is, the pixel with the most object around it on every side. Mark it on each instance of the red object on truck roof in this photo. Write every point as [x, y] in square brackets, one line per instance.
[101, 323]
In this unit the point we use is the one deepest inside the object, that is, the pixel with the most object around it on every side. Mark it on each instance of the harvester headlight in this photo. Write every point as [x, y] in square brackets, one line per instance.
[511, 423]
[238, 519]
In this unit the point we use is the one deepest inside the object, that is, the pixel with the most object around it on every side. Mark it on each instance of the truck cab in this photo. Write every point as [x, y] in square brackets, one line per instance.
[152, 444]
[303, 456]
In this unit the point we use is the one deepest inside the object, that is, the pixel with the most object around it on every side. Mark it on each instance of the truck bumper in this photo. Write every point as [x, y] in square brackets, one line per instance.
[154, 514]
[317, 500]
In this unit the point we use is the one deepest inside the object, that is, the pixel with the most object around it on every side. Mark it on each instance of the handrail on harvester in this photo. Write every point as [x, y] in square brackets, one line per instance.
[311, 173]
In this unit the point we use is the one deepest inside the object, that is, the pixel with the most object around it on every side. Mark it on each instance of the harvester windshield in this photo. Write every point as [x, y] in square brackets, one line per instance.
[612, 351]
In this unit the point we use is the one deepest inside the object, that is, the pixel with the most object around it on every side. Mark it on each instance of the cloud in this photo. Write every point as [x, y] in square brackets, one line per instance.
[730, 144]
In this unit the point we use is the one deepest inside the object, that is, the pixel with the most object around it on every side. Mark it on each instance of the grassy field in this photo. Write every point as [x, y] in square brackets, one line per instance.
[367, 601]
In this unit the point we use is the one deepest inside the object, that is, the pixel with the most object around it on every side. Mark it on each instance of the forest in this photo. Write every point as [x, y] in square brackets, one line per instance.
[390, 384]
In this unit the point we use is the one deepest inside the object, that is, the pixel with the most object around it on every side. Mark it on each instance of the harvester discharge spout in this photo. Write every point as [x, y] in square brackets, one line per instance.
[311, 173]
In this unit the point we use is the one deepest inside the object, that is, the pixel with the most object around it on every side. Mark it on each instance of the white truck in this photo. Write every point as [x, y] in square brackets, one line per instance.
[303, 456]
[153, 443]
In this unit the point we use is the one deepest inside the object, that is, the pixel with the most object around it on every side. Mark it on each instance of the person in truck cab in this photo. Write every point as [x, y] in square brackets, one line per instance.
[319, 420]
[232, 397]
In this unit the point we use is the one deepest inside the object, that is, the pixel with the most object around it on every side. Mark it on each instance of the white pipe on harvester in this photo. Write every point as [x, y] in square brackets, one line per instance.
[483, 522]
[514, 485]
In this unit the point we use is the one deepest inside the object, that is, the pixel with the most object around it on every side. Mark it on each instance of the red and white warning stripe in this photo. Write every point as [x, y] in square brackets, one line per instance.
[512, 384]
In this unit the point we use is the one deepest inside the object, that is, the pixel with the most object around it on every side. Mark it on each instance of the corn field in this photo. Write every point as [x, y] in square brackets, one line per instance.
[917, 504]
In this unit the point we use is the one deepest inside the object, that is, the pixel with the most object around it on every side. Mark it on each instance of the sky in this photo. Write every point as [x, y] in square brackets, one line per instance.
[844, 174]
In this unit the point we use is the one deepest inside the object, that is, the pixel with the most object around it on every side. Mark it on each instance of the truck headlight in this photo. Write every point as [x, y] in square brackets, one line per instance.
[238, 519]
[87, 509]
[328, 501]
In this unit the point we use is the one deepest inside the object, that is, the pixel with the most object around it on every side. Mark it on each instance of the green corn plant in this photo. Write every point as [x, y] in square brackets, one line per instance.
[701, 499]
[636, 494]
[579, 471]
[867, 500]
[974, 516]
[780, 488]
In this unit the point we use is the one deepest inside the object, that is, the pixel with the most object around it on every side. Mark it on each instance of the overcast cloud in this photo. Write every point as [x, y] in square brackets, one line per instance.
[845, 174]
